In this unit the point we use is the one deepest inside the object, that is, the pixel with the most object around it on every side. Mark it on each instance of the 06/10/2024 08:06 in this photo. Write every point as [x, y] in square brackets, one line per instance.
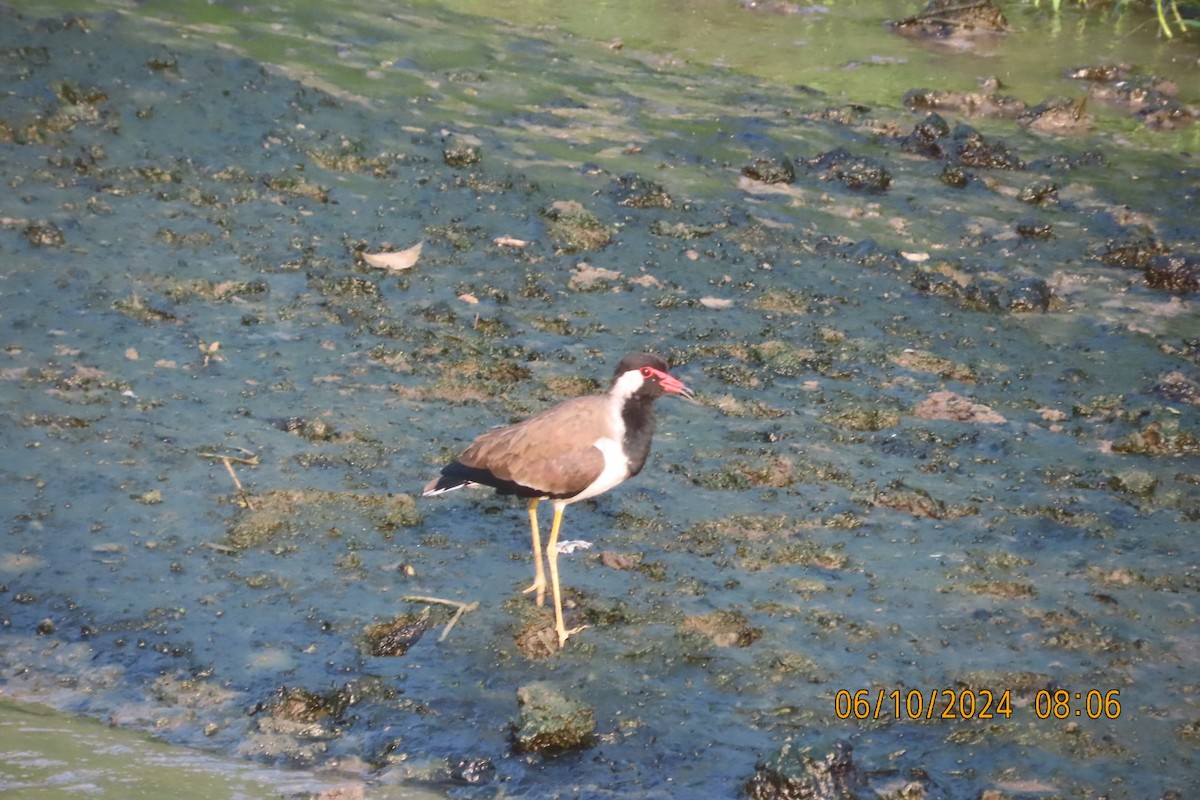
[965, 703]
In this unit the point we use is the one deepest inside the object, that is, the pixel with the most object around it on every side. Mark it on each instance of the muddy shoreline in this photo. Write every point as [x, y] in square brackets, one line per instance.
[948, 441]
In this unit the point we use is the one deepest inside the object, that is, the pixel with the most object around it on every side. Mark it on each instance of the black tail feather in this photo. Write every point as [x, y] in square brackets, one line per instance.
[457, 475]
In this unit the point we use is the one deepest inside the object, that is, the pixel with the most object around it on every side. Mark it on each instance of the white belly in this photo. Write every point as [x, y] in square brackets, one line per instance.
[616, 469]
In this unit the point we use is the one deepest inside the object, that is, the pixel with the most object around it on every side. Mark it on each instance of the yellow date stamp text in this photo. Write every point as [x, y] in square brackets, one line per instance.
[910, 705]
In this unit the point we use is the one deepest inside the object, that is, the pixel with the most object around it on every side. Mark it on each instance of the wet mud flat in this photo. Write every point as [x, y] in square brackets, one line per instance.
[929, 534]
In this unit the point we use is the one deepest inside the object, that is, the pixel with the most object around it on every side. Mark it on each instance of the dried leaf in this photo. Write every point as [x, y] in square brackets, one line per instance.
[396, 261]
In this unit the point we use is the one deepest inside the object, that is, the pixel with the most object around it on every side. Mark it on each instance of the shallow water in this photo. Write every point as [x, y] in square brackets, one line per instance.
[44, 754]
[204, 301]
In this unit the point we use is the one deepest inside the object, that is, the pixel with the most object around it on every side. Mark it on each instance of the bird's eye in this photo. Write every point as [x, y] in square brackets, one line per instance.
[647, 372]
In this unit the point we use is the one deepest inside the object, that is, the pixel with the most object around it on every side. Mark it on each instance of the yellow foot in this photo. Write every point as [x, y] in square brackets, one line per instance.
[540, 588]
[564, 634]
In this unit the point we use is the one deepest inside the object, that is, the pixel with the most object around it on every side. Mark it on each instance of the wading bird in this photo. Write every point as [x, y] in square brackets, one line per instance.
[575, 450]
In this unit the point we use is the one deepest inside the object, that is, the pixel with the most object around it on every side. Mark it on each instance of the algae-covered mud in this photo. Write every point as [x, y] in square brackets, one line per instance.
[929, 533]
[50, 755]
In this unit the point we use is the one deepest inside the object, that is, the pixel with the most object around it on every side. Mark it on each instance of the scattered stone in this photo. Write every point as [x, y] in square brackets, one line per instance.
[45, 234]
[393, 638]
[1149, 98]
[470, 771]
[1033, 294]
[1162, 269]
[1159, 439]
[972, 149]
[951, 406]
[459, 154]
[1103, 73]
[946, 18]
[954, 177]
[989, 104]
[293, 704]
[923, 361]
[724, 628]
[1178, 388]
[1179, 274]
[549, 722]
[1134, 481]
[1038, 193]
[314, 430]
[634, 191]
[151, 497]
[572, 227]
[854, 172]
[618, 561]
[926, 137]
[793, 773]
[1058, 115]
[771, 169]
[1168, 115]
[1135, 252]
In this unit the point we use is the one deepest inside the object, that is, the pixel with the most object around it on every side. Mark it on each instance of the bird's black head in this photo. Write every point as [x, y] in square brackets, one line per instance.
[637, 361]
[645, 375]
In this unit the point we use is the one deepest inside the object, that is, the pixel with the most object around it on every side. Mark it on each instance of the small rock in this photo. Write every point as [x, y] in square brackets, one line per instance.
[572, 227]
[393, 638]
[1058, 115]
[46, 234]
[771, 169]
[459, 154]
[1039, 193]
[1179, 274]
[634, 191]
[614, 560]
[725, 628]
[471, 771]
[1134, 481]
[794, 774]
[924, 140]
[972, 149]
[854, 172]
[549, 722]
[948, 405]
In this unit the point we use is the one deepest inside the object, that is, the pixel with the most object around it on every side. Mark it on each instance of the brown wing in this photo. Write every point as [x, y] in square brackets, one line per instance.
[551, 452]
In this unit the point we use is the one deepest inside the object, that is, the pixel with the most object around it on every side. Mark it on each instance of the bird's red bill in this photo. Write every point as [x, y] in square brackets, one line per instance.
[670, 383]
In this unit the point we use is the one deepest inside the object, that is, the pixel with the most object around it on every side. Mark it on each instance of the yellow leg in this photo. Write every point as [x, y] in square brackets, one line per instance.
[552, 557]
[539, 574]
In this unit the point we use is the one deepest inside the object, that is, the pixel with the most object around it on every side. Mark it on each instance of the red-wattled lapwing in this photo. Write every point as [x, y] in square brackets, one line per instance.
[573, 451]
